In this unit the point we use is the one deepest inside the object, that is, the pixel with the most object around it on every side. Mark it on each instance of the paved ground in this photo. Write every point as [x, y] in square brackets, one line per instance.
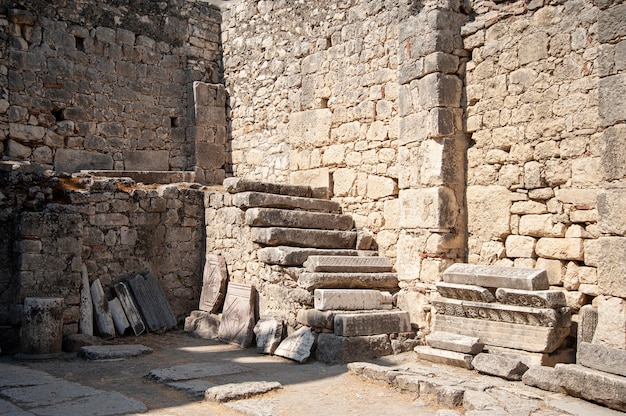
[74, 386]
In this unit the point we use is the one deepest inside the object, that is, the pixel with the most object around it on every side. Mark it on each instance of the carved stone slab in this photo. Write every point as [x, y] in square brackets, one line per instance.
[503, 313]
[274, 217]
[465, 292]
[299, 237]
[269, 334]
[104, 320]
[85, 324]
[351, 299]
[383, 322]
[119, 317]
[128, 304]
[384, 281]
[237, 324]
[152, 303]
[213, 283]
[348, 264]
[494, 276]
[603, 358]
[297, 346]
[533, 298]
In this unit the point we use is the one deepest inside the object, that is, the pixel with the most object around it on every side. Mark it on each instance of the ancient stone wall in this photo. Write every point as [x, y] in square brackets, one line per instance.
[105, 85]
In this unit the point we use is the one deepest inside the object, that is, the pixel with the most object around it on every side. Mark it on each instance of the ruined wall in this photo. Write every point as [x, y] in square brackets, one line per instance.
[105, 85]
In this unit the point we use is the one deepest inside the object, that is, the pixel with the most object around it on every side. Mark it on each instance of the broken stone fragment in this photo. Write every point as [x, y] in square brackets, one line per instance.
[297, 346]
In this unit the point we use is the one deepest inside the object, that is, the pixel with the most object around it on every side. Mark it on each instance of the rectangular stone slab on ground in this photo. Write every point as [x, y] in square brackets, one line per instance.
[504, 334]
[104, 320]
[351, 299]
[533, 298]
[384, 281]
[602, 357]
[347, 264]
[130, 308]
[276, 217]
[297, 346]
[380, 322]
[501, 366]
[301, 237]
[494, 276]
[257, 199]
[152, 303]
[562, 355]
[214, 280]
[237, 323]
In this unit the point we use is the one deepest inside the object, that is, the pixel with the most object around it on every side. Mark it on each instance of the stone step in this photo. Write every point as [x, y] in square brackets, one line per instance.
[447, 357]
[296, 256]
[300, 237]
[351, 299]
[454, 342]
[247, 200]
[275, 217]
[380, 322]
[464, 292]
[347, 264]
[504, 334]
[495, 276]
[383, 281]
[593, 385]
[237, 185]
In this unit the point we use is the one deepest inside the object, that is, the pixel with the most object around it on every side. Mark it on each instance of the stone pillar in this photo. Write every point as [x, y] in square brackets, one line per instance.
[42, 326]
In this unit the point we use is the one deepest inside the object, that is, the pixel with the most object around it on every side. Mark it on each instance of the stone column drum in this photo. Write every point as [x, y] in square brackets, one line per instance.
[42, 326]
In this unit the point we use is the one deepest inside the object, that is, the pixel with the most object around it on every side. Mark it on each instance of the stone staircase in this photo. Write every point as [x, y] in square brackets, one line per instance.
[299, 228]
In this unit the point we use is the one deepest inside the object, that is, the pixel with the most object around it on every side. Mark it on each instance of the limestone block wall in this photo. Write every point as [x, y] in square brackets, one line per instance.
[102, 85]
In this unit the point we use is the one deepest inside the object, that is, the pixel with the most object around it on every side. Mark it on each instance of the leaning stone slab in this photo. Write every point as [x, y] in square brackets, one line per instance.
[454, 342]
[296, 256]
[275, 217]
[262, 200]
[455, 359]
[269, 334]
[347, 264]
[42, 327]
[237, 185]
[593, 385]
[495, 276]
[214, 280]
[195, 370]
[536, 298]
[500, 366]
[237, 391]
[119, 317]
[504, 334]
[601, 357]
[237, 323]
[351, 299]
[388, 322]
[202, 324]
[577, 407]
[85, 324]
[112, 352]
[334, 349]
[192, 387]
[130, 308]
[104, 320]
[103, 403]
[300, 237]
[464, 292]
[152, 303]
[383, 281]
[297, 346]
[535, 359]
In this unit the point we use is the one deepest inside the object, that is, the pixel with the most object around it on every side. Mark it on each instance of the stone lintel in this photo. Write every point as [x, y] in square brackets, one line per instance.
[348, 325]
[533, 298]
[275, 217]
[348, 264]
[299, 237]
[495, 276]
[262, 200]
[453, 358]
[465, 292]
[383, 281]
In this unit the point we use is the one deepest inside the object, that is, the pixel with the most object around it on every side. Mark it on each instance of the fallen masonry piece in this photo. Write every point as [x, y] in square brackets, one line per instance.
[128, 304]
[104, 320]
[262, 200]
[494, 276]
[456, 359]
[454, 342]
[348, 264]
[195, 370]
[384, 281]
[535, 359]
[465, 292]
[601, 357]
[297, 346]
[275, 217]
[348, 325]
[593, 385]
[119, 317]
[236, 185]
[269, 334]
[333, 349]
[497, 365]
[301, 237]
[351, 299]
[202, 324]
[214, 280]
[537, 298]
[237, 323]
[296, 256]
[322, 319]
[112, 352]
[236, 391]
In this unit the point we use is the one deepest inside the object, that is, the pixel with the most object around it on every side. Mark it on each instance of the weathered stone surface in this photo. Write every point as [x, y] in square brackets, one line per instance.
[269, 334]
[494, 276]
[353, 324]
[263, 200]
[543, 378]
[111, 352]
[130, 308]
[303, 237]
[453, 358]
[560, 248]
[454, 342]
[194, 387]
[537, 298]
[42, 326]
[464, 292]
[192, 371]
[351, 299]
[152, 303]
[611, 326]
[611, 266]
[505, 334]
[333, 349]
[533, 359]
[500, 366]
[587, 323]
[297, 346]
[428, 208]
[296, 256]
[601, 357]
[274, 217]
[85, 325]
[317, 319]
[237, 391]
[157, 160]
[348, 264]
[74, 342]
[593, 385]
[520, 246]
[104, 320]
[311, 281]
[214, 280]
[237, 324]
[203, 324]
[72, 160]
[119, 317]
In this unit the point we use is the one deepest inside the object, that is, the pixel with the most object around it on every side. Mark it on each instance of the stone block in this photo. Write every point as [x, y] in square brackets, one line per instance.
[494, 276]
[238, 185]
[440, 90]
[455, 359]
[113, 352]
[102, 314]
[42, 326]
[354, 324]
[533, 48]
[612, 211]
[297, 346]
[130, 308]
[610, 90]
[253, 199]
[520, 246]
[500, 366]
[533, 298]
[311, 127]
[210, 155]
[504, 334]
[535, 359]
[541, 225]
[195, 370]
[611, 327]
[152, 303]
[276, 236]
[269, 334]
[488, 210]
[464, 292]
[146, 160]
[72, 160]
[202, 324]
[382, 281]
[315, 178]
[237, 324]
[351, 299]
[333, 349]
[119, 317]
[601, 357]
[611, 266]
[454, 342]
[272, 217]
[296, 256]
[85, 324]
[434, 208]
[560, 248]
[348, 264]
[593, 385]
[543, 378]
[587, 323]
[214, 280]
[239, 391]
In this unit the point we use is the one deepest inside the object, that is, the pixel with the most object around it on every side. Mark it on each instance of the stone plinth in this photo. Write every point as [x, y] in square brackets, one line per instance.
[42, 327]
